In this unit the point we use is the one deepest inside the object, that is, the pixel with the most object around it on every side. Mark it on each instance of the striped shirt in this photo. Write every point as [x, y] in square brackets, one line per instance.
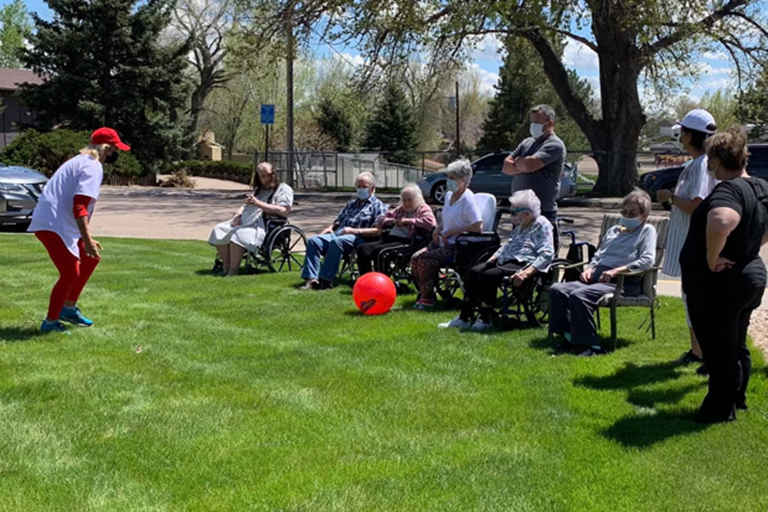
[694, 182]
[360, 213]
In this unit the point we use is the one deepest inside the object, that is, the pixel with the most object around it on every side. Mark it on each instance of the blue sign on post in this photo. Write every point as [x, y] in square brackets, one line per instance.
[267, 114]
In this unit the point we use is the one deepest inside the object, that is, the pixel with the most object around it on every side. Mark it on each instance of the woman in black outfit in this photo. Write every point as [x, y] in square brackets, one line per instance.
[723, 275]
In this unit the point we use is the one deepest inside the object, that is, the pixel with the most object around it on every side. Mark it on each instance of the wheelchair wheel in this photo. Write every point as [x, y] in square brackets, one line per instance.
[285, 249]
[218, 266]
[536, 301]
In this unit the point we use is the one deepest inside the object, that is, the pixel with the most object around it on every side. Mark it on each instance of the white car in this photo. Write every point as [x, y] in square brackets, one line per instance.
[19, 189]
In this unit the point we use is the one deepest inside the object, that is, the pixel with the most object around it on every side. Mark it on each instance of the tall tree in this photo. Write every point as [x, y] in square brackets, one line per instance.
[522, 86]
[334, 121]
[391, 129]
[15, 28]
[723, 107]
[633, 40]
[753, 106]
[103, 64]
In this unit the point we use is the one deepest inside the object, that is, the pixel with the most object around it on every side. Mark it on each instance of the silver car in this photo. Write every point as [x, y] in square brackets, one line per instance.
[19, 189]
[489, 178]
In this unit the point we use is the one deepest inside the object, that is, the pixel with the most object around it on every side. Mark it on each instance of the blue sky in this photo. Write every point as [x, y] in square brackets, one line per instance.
[716, 68]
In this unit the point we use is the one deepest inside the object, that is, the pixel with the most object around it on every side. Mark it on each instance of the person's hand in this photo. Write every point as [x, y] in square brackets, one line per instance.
[327, 231]
[92, 248]
[444, 239]
[492, 258]
[250, 200]
[606, 276]
[663, 195]
[350, 231]
[436, 237]
[720, 264]
[520, 276]
[236, 220]
[586, 275]
[405, 222]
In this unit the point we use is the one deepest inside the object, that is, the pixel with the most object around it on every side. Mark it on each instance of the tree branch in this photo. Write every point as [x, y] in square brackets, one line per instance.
[583, 40]
[687, 29]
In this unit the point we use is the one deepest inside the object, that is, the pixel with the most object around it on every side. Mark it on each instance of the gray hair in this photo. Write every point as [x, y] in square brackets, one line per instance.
[640, 198]
[265, 166]
[460, 169]
[526, 199]
[544, 109]
[414, 190]
[369, 176]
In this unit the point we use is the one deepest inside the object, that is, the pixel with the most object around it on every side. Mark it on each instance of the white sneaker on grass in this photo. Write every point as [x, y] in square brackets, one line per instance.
[480, 326]
[457, 323]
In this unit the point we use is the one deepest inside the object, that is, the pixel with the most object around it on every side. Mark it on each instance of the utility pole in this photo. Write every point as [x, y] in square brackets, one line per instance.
[458, 124]
[289, 95]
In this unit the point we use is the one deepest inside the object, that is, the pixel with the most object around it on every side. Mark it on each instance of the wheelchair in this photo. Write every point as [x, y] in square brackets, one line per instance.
[529, 303]
[284, 247]
[395, 262]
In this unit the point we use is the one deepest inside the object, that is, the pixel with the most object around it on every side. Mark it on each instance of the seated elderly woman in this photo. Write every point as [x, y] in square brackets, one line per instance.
[356, 221]
[247, 229]
[628, 247]
[461, 214]
[406, 220]
[530, 249]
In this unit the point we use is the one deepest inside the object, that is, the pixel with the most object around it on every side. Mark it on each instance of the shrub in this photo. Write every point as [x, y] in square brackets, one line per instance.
[45, 152]
[178, 179]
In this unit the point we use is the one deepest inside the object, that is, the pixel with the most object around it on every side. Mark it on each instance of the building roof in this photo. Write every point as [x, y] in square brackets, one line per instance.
[10, 79]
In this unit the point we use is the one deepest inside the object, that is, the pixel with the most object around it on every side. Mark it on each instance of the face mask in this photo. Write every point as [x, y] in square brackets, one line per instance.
[629, 223]
[537, 130]
[112, 158]
[452, 186]
[363, 194]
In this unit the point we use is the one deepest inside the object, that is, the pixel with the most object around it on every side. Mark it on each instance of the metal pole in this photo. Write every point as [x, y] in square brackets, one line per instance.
[289, 97]
[458, 128]
[266, 147]
[337, 171]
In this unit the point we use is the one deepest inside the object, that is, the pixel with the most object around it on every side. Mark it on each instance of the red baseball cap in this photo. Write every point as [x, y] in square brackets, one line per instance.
[106, 135]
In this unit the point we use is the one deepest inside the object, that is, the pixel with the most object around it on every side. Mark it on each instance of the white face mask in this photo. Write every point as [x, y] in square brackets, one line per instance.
[537, 130]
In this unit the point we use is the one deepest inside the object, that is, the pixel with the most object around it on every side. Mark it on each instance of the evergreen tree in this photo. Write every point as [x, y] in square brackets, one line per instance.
[335, 122]
[753, 107]
[523, 85]
[392, 129]
[103, 64]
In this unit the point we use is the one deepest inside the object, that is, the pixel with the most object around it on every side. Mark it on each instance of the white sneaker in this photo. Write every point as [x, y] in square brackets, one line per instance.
[457, 322]
[479, 326]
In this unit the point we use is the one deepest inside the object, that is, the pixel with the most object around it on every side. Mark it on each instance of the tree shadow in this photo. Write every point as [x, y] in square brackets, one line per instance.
[645, 430]
[544, 343]
[633, 376]
[16, 334]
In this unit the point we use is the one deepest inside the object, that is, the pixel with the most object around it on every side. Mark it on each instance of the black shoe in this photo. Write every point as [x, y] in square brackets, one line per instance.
[311, 284]
[689, 357]
[702, 370]
[590, 352]
[326, 285]
[742, 406]
[564, 347]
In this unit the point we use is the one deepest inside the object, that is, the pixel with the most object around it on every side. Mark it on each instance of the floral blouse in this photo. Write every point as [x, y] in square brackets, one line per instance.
[533, 245]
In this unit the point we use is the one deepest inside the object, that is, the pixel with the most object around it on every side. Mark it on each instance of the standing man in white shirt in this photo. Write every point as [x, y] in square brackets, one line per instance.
[693, 186]
[537, 163]
[61, 222]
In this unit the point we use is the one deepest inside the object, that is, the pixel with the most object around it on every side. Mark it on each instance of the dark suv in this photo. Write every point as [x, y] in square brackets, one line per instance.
[667, 178]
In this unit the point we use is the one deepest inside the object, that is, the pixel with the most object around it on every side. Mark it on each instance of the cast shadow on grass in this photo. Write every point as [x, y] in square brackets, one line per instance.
[16, 334]
[544, 343]
[644, 431]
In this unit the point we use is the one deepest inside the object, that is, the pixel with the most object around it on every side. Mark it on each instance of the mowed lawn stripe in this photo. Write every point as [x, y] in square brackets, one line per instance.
[194, 392]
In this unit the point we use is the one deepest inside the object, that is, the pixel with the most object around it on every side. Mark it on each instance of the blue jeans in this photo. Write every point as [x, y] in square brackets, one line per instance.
[333, 247]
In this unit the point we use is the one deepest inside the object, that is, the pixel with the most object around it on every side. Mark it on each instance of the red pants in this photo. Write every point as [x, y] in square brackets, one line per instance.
[73, 273]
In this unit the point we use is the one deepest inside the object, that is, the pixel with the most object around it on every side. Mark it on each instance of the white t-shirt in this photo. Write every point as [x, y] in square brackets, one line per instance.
[462, 214]
[79, 176]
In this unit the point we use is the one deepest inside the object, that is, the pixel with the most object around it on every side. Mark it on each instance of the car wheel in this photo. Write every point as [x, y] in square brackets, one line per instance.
[438, 192]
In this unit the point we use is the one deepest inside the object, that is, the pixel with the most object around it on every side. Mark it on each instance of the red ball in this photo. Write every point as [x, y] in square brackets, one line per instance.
[374, 293]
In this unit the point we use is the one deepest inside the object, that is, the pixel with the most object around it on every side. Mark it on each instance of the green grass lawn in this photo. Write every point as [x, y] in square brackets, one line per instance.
[196, 393]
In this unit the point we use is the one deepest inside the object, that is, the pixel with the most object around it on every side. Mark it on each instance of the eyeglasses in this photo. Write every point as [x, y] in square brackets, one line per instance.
[517, 211]
[630, 214]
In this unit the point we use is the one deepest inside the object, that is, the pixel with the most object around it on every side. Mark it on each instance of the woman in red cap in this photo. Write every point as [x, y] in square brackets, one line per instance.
[60, 222]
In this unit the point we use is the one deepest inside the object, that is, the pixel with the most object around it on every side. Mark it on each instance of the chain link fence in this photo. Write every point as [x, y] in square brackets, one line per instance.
[314, 170]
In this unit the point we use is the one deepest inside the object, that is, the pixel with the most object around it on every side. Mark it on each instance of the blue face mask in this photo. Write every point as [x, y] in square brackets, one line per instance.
[363, 194]
[629, 223]
[452, 186]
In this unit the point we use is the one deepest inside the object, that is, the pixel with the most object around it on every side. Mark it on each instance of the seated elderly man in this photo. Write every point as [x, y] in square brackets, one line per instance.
[530, 249]
[628, 247]
[356, 221]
